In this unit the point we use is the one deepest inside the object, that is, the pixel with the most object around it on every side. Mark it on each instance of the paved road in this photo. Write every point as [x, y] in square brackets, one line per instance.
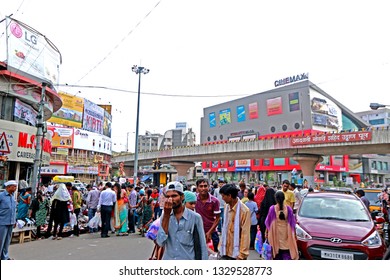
[88, 247]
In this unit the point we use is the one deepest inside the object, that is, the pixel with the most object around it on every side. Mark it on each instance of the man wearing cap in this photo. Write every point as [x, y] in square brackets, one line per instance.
[7, 217]
[181, 230]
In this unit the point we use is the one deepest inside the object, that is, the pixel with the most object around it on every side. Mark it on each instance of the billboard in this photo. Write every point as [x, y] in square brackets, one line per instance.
[25, 112]
[93, 117]
[241, 113]
[224, 117]
[253, 111]
[293, 101]
[86, 140]
[212, 120]
[274, 106]
[107, 124]
[325, 113]
[31, 52]
[62, 137]
[71, 112]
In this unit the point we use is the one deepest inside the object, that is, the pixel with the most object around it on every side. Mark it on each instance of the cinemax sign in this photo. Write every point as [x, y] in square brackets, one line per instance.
[291, 79]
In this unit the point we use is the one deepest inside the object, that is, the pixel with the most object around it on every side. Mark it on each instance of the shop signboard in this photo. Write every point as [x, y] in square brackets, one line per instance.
[20, 141]
[331, 138]
[54, 169]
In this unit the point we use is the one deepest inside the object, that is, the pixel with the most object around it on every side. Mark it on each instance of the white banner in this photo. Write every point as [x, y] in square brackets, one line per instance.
[93, 117]
[86, 140]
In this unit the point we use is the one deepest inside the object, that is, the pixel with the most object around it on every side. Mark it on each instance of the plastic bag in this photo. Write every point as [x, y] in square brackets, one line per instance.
[266, 251]
[258, 242]
[96, 221]
[153, 229]
[72, 219]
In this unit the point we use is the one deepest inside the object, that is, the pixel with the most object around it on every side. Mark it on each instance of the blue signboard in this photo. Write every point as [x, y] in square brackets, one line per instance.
[212, 119]
[241, 113]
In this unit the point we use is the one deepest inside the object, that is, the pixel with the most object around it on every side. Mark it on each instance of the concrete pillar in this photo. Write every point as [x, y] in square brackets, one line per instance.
[182, 168]
[308, 163]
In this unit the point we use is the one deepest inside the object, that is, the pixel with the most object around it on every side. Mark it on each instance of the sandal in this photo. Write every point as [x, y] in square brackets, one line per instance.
[59, 238]
[54, 237]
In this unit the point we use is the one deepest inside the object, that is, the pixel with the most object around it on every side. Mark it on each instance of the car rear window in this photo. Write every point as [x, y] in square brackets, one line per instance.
[333, 209]
[373, 198]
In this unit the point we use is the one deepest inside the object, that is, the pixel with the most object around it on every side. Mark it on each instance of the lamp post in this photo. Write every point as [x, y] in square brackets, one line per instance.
[376, 106]
[138, 70]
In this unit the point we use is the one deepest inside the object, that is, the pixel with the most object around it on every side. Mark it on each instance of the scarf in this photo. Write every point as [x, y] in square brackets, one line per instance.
[61, 193]
[236, 238]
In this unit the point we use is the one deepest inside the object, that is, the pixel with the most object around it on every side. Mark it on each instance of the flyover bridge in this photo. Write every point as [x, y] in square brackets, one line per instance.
[306, 149]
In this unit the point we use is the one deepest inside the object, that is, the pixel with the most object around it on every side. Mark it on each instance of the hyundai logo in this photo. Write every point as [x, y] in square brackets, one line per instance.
[336, 240]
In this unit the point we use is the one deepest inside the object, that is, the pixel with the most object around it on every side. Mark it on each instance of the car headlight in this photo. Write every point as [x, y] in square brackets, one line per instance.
[301, 234]
[374, 240]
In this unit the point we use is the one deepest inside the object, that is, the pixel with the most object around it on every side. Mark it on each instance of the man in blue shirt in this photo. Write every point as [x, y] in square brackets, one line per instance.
[7, 217]
[181, 230]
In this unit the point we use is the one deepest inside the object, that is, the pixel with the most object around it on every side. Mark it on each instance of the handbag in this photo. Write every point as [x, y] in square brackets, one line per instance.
[266, 251]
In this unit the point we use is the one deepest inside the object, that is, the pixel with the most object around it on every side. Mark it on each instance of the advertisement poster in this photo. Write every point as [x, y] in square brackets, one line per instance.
[71, 112]
[93, 117]
[325, 113]
[86, 140]
[32, 53]
[293, 99]
[107, 124]
[253, 111]
[274, 106]
[212, 119]
[62, 137]
[241, 113]
[25, 112]
[224, 117]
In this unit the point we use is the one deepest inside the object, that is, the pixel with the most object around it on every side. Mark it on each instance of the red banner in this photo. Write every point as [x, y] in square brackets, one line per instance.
[331, 138]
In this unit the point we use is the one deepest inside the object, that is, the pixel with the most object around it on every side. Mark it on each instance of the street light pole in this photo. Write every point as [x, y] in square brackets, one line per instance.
[138, 70]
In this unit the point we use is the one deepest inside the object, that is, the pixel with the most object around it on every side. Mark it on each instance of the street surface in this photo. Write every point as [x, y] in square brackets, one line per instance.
[89, 247]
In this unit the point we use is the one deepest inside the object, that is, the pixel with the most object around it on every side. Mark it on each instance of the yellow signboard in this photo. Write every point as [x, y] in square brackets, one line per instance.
[71, 112]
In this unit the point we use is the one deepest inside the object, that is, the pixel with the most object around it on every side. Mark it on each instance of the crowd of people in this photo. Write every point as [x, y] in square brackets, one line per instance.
[219, 220]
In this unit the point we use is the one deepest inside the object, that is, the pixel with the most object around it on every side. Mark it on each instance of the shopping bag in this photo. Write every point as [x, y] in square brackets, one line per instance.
[153, 229]
[258, 242]
[266, 251]
[95, 221]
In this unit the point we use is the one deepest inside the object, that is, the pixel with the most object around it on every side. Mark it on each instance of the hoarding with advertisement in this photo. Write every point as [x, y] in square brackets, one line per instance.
[86, 140]
[61, 136]
[25, 112]
[107, 124]
[18, 142]
[241, 113]
[212, 120]
[293, 101]
[71, 112]
[224, 117]
[93, 117]
[274, 106]
[31, 52]
[253, 111]
[325, 113]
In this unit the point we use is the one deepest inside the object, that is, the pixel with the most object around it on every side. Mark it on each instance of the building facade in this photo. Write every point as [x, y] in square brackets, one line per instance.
[296, 109]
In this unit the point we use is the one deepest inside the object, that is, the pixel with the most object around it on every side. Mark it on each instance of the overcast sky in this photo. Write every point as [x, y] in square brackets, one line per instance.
[209, 52]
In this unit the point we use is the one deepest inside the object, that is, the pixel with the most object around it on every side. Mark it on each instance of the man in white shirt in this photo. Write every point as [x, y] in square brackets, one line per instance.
[297, 195]
[106, 203]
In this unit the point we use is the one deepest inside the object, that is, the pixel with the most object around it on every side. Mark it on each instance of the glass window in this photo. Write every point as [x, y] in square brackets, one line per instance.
[380, 165]
[373, 164]
[385, 166]
[231, 163]
[6, 108]
[267, 162]
[337, 160]
[279, 161]
[214, 164]
[256, 162]
[293, 162]
[326, 160]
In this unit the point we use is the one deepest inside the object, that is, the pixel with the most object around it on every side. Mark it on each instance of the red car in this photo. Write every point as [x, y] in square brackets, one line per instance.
[337, 226]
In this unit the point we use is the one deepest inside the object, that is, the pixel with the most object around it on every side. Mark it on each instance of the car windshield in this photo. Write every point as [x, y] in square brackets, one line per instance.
[373, 198]
[333, 209]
